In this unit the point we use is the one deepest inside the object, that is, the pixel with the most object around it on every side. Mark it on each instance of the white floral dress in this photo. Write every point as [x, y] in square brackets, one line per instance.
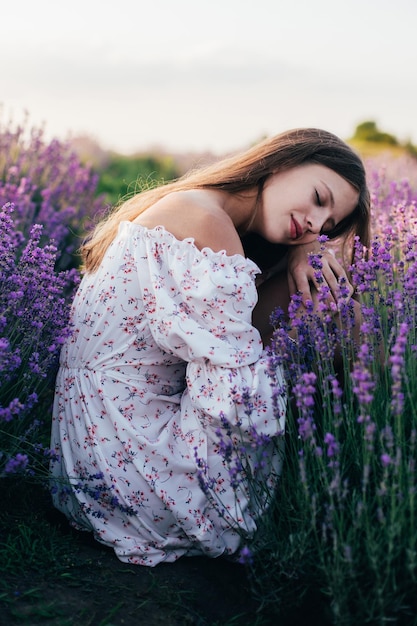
[161, 349]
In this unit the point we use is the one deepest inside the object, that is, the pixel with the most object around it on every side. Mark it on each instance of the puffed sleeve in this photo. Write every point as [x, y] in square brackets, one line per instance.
[199, 306]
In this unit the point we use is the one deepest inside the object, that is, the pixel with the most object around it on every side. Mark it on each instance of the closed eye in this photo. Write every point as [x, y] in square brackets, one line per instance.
[318, 198]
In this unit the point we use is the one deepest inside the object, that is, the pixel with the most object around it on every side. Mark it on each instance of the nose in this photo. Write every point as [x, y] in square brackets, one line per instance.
[316, 220]
[314, 224]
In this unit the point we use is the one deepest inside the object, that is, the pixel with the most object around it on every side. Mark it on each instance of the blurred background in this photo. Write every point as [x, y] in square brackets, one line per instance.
[194, 79]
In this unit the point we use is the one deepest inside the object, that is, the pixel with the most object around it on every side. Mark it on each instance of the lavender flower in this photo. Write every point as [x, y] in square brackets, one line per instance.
[304, 395]
[48, 200]
[397, 362]
[246, 556]
[48, 186]
[34, 311]
[363, 387]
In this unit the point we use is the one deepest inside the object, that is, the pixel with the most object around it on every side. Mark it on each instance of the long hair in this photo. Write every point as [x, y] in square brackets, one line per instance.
[249, 170]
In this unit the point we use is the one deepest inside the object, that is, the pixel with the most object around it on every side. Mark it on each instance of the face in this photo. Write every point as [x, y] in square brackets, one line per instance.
[303, 202]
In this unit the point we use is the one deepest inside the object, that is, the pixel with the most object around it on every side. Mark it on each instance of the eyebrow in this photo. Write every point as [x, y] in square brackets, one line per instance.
[330, 193]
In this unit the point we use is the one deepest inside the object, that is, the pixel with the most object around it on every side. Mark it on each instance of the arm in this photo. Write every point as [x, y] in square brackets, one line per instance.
[272, 293]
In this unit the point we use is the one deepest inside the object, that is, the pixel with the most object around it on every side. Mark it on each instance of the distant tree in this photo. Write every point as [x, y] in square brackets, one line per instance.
[368, 131]
[122, 176]
[411, 149]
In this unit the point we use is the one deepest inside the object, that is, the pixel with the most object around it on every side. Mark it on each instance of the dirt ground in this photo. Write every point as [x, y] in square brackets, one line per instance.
[84, 584]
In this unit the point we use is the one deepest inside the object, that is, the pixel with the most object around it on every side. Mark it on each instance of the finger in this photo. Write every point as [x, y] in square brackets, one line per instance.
[299, 283]
[335, 275]
[331, 281]
[291, 284]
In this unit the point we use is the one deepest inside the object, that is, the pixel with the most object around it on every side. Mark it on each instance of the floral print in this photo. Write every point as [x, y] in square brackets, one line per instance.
[161, 342]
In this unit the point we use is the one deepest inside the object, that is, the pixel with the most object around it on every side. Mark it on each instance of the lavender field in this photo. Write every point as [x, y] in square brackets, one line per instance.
[340, 534]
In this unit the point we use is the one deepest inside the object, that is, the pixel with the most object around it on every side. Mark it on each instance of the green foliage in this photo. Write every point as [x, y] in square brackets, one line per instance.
[410, 149]
[368, 131]
[124, 175]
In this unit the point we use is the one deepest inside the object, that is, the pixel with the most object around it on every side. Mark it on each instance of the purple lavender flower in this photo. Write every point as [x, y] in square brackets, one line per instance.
[34, 310]
[16, 464]
[332, 444]
[386, 460]
[337, 394]
[246, 556]
[47, 185]
[397, 362]
[364, 384]
[304, 392]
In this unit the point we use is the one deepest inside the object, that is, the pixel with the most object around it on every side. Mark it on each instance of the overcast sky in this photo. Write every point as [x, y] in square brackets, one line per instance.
[208, 74]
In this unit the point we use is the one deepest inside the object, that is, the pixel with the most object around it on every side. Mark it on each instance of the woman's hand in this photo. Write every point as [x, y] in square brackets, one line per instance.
[301, 276]
[297, 275]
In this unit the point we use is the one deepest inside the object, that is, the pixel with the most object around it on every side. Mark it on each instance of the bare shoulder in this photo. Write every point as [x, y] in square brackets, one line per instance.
[214, 229]
[194, 214]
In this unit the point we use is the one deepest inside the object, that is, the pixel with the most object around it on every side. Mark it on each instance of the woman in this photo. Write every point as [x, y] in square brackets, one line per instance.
[164, 352]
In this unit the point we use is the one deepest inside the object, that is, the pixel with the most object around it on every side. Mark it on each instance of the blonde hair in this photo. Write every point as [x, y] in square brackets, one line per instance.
[245, 171]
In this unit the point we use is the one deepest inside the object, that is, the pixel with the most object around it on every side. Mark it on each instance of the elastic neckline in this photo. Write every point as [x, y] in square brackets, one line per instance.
[162, 234]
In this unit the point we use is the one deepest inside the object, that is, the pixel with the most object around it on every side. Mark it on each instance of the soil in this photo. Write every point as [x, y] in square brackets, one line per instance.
[86, 585]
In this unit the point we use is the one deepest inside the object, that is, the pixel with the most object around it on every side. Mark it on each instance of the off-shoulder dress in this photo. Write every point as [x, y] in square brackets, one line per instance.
[160, 368]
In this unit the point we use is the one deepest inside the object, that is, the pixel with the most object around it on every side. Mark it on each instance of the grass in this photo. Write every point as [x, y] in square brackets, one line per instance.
[54, 576]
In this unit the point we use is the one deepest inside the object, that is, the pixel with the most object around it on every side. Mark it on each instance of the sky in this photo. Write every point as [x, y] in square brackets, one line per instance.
[207, 75]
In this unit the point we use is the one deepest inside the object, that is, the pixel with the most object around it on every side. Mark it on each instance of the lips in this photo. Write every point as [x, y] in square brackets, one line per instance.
[296, 230]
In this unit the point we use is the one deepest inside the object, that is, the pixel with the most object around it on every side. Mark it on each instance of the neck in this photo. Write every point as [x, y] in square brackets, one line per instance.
[241, 207]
